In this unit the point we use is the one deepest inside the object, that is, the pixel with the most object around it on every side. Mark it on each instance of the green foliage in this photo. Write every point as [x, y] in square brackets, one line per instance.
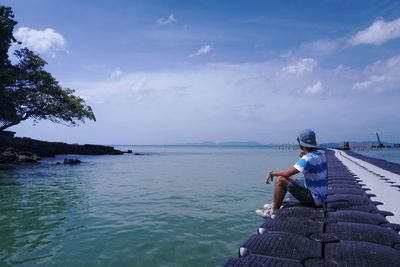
[7, 24]
[28, 91]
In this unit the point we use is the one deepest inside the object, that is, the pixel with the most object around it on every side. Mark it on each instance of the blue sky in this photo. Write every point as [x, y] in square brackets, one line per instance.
[161, 72]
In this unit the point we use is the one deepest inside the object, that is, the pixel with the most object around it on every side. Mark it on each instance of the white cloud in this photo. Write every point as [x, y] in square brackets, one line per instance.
[115, 73]
[372, 81]
[315, 88]
[218, 101]
[320, 47]
[391, 65]
[304, 65]
[46, 41]
[378, 33]
[165, 21]
[249, 82]
[204, 50]
[383, 75]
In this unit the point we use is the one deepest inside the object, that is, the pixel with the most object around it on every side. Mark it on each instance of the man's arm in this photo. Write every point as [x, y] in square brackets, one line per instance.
[285, 173]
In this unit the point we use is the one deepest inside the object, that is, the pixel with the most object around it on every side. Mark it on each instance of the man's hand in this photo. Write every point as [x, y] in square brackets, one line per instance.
[269, 178]
[285, 173]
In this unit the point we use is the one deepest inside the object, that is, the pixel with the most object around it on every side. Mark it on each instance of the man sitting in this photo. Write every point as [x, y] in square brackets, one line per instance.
[310, 192]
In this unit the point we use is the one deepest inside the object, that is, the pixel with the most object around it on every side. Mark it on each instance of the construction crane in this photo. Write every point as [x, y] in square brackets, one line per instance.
[379, 141]
[380, 145]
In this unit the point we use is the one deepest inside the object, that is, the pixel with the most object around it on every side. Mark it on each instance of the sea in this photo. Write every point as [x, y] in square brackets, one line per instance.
[389, 154]
[163, 206]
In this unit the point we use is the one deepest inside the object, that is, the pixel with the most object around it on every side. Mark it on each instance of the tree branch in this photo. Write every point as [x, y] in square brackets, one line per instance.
[2, 128]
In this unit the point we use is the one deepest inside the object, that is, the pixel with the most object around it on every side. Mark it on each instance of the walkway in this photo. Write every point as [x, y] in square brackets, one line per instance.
[383, 183]
[348, 231]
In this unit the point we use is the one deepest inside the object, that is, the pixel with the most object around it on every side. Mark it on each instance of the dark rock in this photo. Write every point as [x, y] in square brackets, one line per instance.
[28, 157]
[71, 161]
[50, 149]
[7, 133]
[8, 156]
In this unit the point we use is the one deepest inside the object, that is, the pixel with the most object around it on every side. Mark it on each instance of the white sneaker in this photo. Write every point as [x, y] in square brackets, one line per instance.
[268, 206]
[265, 214]
[262, 213]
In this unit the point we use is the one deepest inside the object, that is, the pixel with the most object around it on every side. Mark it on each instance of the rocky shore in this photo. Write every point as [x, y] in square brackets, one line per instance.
[17, 149]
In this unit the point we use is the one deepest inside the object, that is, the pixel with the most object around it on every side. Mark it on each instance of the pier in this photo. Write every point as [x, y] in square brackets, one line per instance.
[358, 226]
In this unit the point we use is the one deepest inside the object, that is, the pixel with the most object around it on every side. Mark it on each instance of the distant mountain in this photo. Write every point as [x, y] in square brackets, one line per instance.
[237, 143]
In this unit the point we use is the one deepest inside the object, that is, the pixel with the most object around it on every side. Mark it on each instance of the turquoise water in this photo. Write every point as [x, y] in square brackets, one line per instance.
[392, 154]
[175, 206]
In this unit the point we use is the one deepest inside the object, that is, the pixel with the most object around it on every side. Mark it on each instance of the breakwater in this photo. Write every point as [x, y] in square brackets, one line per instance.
[350, 230]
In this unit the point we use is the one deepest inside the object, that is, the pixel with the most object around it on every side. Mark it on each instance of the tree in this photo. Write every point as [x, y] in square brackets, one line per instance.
[7, 110]
[29, 91]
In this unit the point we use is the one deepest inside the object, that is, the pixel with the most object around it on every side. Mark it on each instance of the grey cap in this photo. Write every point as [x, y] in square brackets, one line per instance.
[307, 139]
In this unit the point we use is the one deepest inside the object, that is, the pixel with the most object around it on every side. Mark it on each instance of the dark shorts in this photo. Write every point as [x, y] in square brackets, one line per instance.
[301, 193]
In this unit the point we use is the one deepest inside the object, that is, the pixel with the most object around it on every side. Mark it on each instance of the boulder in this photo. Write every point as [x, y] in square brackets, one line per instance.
[8, 156]
[28, 157]
[71, 161]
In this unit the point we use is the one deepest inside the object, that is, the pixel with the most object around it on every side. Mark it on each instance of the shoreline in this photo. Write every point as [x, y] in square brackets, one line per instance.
[15, 150]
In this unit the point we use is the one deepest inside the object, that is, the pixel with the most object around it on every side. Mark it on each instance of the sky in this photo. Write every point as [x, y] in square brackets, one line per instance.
[166, 72]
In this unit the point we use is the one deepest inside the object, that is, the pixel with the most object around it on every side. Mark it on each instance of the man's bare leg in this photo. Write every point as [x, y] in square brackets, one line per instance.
[280, 189]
